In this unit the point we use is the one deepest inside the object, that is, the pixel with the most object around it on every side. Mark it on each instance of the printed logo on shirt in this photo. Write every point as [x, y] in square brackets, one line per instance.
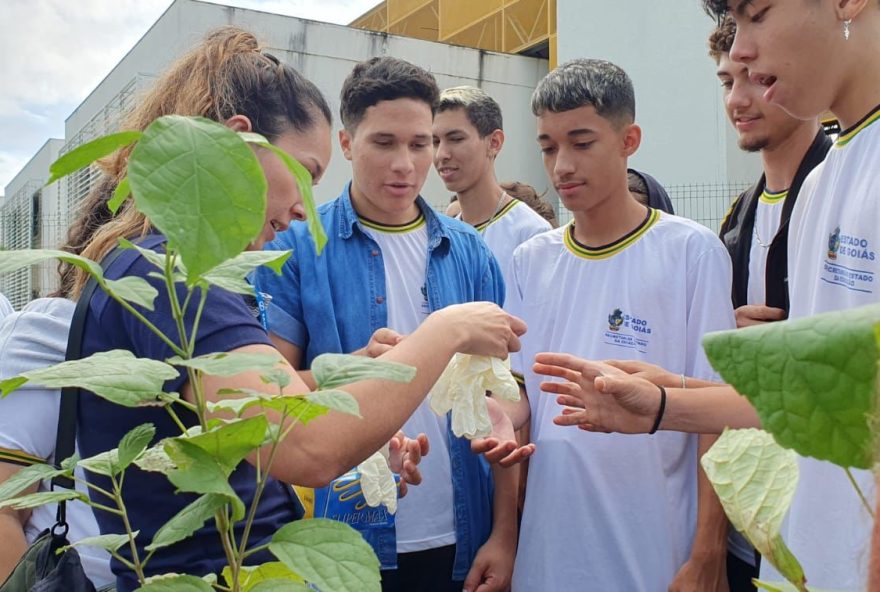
[848, 255]
[426, 308]
[628, 331]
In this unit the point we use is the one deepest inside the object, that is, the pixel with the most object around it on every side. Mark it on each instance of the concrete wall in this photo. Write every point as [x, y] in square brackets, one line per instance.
[325, 53]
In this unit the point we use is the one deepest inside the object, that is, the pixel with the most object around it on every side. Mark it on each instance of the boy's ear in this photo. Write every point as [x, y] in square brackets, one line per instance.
[849, 9]
[496, 142]
[345, 143]
[632, 139]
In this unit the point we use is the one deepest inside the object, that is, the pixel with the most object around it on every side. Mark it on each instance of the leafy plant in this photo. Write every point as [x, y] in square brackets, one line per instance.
[813, 382]
[202, 187]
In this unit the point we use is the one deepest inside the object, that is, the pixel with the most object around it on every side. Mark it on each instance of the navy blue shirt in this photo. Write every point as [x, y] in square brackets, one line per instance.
[150, 498]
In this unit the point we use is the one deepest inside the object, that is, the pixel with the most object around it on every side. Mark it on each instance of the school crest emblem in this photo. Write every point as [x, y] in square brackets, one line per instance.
[615, 320]
[833, 243]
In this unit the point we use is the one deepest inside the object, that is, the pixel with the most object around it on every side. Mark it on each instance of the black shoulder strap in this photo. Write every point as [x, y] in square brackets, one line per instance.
[65, 440]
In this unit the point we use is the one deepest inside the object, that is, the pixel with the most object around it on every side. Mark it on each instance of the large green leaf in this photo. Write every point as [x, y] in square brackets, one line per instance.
[157, 259]
[230, 275]
[90, 152]
[231, 442]
[187, 521]
[201, 186]
[329, 554]
[108, 542]
[155, 459]
[277, 585]
[33, 500]
[295, 406]
[812, 380]
[21, 258]
[133, 289]
[270, 576]
[103, 463]
[115, 375]
[230, 364]
[336, 400]
[134, 443]
[175, 583]
[26, 477]
[755, 479]
[334, 370]
[198, 472]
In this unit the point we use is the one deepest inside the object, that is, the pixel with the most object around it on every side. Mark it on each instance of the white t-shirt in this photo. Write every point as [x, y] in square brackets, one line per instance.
[614, 511]
[513, 225]
[5, 307]
[36, 337]
[767, 218]
[425, 517]
[834, 264]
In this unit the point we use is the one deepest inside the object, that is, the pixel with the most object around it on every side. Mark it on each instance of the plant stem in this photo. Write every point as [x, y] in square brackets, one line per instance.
[176, 312]
[859, 492]
[100, 490]
[203, 297]
[255, 550]
[223, 526]
[138, 567]
[124, 303]
[175, 418]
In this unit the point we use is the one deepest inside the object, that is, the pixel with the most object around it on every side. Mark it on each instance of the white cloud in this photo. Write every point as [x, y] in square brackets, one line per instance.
[54, 52]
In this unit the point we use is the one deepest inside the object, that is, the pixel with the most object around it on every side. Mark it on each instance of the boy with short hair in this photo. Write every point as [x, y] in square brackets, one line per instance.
[606, 511]
[389, 262]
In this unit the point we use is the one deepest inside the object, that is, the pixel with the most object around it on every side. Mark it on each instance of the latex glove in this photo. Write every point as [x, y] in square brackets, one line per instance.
[377, 481]
[462, 389]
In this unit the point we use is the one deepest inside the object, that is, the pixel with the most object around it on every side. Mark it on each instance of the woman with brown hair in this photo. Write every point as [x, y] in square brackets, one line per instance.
[229, 79]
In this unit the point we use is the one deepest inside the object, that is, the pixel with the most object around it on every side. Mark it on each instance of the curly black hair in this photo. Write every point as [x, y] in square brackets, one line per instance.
[721, 39]
[716, 8]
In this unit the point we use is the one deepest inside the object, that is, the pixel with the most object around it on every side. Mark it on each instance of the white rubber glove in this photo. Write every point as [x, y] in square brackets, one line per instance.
[377, 481]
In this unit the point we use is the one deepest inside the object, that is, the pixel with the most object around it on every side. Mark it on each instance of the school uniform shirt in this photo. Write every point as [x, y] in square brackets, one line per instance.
[614, 511]
[513, 225]
[767, 217]
[5, 307]
[834, 265]
[425, 517]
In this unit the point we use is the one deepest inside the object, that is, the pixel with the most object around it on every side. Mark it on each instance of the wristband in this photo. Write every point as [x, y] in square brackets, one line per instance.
[660, 411]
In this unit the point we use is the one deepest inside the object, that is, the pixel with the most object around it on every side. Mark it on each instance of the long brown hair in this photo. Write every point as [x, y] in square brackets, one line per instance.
[226, 74]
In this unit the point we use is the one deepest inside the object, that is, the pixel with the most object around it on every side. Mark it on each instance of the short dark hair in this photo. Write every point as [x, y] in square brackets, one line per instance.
[587, 83]
[482, 110]
[716, 8]
[384, 79]
[721, 39]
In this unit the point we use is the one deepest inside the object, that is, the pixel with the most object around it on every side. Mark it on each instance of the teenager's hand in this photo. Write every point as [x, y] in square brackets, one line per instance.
[755, 314]
[480, 328]
[492, 569]
[501, 445]
[404, 457]
[650, 372]
[598, 397]
[381, 341]
[702, 575]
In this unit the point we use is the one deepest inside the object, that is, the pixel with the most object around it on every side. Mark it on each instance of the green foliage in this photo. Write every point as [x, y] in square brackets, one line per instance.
[34, 500]
[26, 477]
[329, 554]
[15, 260]
[230, 364]
[115, 375]
[266, 577]
[134, 443]
[120, 194]
[812, 380]
[109, 542]
[784, 587]
[175, 583]
[755, 479]
[336, 400]
[196, 471]
[187, 521]
[231, 442]
[181, 170]
[334, 370]
[230, 275]
[133, 289]
[89, 152]
[104, 463]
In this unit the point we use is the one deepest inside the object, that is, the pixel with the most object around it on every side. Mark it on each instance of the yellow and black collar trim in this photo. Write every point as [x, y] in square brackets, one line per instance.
[610, 249]
[847, 135]
[18, 457]
[484, 225]
[394, 228]
[773, 197]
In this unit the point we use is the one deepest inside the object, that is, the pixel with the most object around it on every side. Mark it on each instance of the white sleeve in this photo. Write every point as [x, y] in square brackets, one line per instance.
[29, 415]
[709, 306]
[5, 308]
[513, 305]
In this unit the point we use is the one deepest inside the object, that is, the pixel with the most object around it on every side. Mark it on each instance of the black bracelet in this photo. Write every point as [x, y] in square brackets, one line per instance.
[660, 411]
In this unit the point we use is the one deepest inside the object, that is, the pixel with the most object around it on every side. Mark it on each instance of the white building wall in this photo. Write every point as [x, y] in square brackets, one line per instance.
[687, 142]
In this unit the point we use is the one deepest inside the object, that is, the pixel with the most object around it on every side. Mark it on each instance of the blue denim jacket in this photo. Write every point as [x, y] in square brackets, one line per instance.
[341, 302]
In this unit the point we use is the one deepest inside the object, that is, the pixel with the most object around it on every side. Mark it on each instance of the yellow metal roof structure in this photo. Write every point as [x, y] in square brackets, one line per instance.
[512, 26]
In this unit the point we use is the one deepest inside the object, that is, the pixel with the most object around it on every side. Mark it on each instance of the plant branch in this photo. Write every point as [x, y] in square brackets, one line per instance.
[859, 491]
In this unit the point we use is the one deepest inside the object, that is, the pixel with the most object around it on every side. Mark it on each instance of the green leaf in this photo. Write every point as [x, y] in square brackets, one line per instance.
[187, 521]
[33, 500]
[134, 443]
[108, 542]
[295, 406]
[11, 385]
[156, 460]
[266, 577]
[277, 585]
[115, 375]
[784, 587]
[89, 152]
[277, 377]
[329, 554]
[334, 370]
[201, 186]
[120, 194]
[811, 380]
[337, 400]
[304, 183]
[755, 479]
[135, 290]
[229, 364]
[231, 442]
[230, 275]
[198, 472]
[154, 257]
[104, 463]
[175, 583]
[21, 258]
[26, 477]
[69, 463]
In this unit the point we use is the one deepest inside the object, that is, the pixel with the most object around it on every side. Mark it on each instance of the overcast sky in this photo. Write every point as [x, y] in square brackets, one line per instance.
[54, 52]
